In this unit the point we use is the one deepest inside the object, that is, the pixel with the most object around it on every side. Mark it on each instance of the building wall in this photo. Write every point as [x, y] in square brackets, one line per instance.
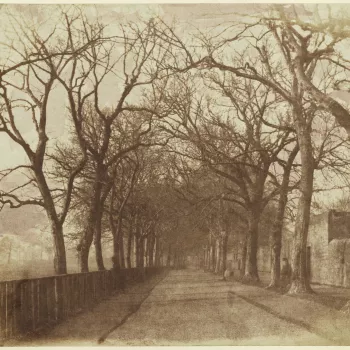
[318, 240]
[329, 244]
[339, 262]
[330, 248]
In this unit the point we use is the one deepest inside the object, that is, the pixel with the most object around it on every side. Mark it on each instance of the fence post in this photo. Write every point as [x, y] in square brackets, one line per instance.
[59, 298]
[28, 305]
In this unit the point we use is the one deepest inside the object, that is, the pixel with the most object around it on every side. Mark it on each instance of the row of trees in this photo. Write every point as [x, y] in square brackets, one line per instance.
[174, 139]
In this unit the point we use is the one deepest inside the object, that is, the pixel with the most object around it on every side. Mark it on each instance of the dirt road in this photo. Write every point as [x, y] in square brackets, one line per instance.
[196, 308]
[190, 307]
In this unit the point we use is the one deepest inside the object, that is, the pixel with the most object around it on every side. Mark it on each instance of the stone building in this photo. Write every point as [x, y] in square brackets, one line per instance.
[328, 249]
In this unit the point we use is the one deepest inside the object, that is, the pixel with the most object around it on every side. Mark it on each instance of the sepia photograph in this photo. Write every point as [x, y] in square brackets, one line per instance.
[174, 174]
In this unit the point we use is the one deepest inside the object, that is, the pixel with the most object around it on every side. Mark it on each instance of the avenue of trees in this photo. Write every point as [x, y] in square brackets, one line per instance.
[176, 143]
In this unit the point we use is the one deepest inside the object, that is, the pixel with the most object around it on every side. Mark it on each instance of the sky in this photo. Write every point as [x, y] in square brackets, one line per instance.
[203, 16]
[188, 16]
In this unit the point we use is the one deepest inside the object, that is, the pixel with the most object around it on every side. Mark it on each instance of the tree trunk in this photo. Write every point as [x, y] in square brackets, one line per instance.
[276, 253]
[136, 251]
[244, 256]
[145, 251]
[142, 252]
[212, 255]
[205, 258]
[218, 255]
[116, 253]
[207, 266]
[224, 251]
[157, 252]
[251, 268]
[168, 262]
[151, 251]
[97, 239]
[176, 259]
[60, 263]
[121, 253]
[121, 242]
[114, 229]
[128, 253]
[278, 222]
[300, 281]
[88, 234]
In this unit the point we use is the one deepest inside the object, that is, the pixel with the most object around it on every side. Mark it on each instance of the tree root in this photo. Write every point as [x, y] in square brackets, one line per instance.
[299, 288]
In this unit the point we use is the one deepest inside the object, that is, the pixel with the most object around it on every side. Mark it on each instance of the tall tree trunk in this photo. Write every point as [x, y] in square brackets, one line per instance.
[208, 258]
[278, 222]
[212, 254]
[99, 217]
[218, 255]
[151, 251]
[97, 239]
[129, 250]
[300, 281]
[88, 234]
[224, 251]
[176, 259]
[157, 252]
[137, 251]
[276, 246]
[114, 229]
[251, 267]
[116, 253]
[205, 258]
[168, 262]
[60, 262]
[122, 253]
[142, 251]
[145, 251]
[121, 242]
[244, 256]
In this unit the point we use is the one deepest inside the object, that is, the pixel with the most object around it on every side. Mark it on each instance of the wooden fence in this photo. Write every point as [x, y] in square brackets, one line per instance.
[30, 305]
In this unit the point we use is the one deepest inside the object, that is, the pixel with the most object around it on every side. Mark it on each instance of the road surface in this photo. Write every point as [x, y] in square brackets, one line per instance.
[191, 307]
[196, 308]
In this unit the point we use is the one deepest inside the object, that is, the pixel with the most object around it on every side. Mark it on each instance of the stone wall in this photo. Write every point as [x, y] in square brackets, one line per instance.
[339, 224]
[329, 245]
[339, 262]
[318, 241]
[330, 248]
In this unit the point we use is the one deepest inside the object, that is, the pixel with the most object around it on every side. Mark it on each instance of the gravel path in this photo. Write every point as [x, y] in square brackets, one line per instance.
[191, 307]
[196, 308]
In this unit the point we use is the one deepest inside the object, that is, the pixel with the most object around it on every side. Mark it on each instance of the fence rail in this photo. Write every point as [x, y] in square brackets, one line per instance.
[29, 305]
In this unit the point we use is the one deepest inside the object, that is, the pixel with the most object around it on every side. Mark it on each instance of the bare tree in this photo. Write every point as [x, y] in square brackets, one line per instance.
[281, 77]
[26, 87]
[234, 145]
